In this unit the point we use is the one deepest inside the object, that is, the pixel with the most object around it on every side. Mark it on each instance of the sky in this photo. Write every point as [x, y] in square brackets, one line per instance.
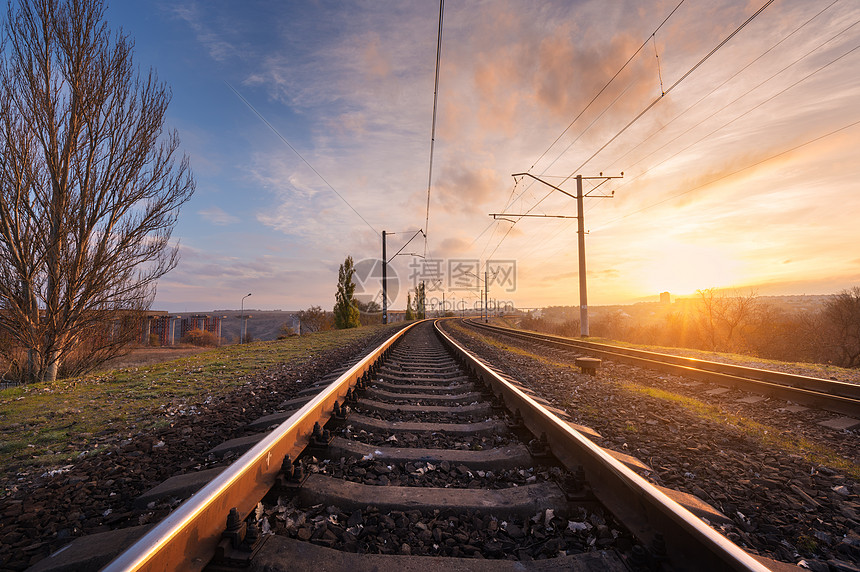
[308, 126]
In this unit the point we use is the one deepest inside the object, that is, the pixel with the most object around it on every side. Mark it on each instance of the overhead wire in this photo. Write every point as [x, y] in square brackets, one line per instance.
[724, 82]
[773, 96]
[649, 106]
[576, 118]
[674, 85]
[744, 94]
[433, 128]
[607, 84]
[735, 172]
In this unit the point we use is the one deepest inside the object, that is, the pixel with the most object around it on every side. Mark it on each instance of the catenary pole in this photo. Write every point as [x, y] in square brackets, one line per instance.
[583, 294]
[580, 216]
[384, 282]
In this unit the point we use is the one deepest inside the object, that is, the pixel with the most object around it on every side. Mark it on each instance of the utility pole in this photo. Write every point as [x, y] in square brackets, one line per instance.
[486, 298]
[385, 269]
[583, 294]
[580, 216]
[384, 282]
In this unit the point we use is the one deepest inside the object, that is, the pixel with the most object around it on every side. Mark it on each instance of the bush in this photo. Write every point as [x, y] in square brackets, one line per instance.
[202, 338]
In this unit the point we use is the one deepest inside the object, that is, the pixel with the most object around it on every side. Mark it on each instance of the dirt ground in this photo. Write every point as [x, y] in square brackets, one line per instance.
[146, 356]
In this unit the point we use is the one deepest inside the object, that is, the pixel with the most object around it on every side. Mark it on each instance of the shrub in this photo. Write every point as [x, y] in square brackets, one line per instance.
[197, 337]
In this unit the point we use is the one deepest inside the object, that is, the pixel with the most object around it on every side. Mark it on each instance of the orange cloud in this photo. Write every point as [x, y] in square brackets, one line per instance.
[376, 60]
[461, 189]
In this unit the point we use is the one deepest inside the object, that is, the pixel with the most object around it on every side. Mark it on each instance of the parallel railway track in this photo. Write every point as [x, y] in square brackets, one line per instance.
[421, 383]
[836, 396]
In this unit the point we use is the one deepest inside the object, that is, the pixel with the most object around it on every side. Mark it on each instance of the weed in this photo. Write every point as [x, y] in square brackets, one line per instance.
[37, 420]
[765, 434]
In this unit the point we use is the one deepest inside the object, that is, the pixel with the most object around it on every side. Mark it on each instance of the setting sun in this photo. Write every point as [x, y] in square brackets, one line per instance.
[682, 269]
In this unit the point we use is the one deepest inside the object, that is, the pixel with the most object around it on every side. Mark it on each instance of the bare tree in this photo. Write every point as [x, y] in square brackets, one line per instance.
[839, 328]
[90, 187]
[314, 319]
[722, 316]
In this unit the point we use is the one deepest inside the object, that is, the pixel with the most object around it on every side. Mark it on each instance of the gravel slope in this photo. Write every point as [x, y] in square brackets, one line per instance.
[756, 463]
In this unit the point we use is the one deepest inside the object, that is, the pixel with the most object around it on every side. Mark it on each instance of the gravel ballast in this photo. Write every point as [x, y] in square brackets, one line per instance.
[46, 508]
[788, 484]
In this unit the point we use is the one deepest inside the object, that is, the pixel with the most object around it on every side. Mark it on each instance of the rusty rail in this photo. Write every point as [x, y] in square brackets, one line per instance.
[187, 538]
[637, 503]
[836, 396]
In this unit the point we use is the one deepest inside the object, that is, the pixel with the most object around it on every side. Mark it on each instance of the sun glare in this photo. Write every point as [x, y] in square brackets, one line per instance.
[682, 269]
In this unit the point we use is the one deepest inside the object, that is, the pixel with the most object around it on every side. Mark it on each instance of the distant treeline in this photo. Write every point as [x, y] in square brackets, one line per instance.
[724, 321]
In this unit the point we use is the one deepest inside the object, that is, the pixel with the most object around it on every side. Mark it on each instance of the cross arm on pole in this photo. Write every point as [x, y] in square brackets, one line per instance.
[544, 182]
[579, 196]
[419, 231]
[501, 216]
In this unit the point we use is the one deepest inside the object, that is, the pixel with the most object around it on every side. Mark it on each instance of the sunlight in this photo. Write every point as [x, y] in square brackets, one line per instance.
[682, 269]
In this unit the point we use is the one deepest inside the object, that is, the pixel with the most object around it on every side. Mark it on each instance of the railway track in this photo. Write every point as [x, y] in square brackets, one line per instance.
[836, 396]
[421, 455]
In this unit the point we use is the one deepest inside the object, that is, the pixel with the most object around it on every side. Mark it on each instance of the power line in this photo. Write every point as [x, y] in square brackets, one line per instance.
[747, 92]
[433, 129]
[718, 179]
[282, 138]
[651, 105]
[575, 119]
[674, 85]
[727, 80]
[772, 97]
[608, 83]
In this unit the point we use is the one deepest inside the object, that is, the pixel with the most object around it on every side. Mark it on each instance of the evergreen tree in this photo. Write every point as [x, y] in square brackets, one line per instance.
[346, 313]
[409, 315]
[418, 310]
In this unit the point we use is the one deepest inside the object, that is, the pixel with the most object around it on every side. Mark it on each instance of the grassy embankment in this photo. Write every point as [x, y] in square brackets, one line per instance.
[49, 424]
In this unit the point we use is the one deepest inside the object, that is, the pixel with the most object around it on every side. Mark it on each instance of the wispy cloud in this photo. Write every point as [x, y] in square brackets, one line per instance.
[350, 85]
[213, 40]
[218, 216]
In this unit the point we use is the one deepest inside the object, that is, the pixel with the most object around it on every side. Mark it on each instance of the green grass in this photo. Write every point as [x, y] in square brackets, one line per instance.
[46, 424]
[766, 435]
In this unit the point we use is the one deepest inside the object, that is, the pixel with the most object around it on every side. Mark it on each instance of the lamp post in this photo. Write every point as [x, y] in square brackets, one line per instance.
[244, 319]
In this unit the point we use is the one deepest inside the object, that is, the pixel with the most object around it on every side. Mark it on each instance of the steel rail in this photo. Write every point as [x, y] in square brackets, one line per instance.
[186, 539]
[836, 396]
[638, 504]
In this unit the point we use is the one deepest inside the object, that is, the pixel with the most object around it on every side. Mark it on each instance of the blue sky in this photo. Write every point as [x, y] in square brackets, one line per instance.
[744, 175]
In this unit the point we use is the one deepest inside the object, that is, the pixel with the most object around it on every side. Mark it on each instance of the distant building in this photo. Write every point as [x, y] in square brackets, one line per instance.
[665, 298]
[171, 329]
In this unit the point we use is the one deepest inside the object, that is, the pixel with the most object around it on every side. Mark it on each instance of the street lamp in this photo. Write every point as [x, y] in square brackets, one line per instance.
[244, 318]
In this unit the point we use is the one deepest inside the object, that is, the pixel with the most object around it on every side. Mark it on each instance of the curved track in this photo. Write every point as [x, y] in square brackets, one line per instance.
[836, 396]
